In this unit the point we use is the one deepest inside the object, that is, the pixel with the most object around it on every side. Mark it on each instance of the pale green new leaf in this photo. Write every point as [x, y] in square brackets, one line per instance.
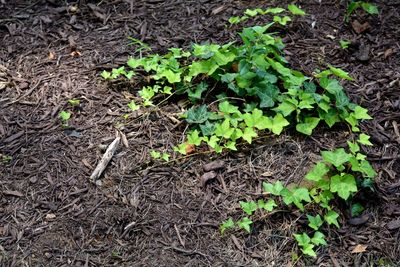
[296, 10]
[274, 189]
[248, 207]
[336, 157]
[268, 206]
[343, 185]
[315, 222]
[245, 224]
[318, 172]
[331, 218]
[319, 239]
[308, 125]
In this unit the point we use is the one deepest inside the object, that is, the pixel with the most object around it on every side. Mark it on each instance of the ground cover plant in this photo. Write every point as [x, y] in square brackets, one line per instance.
[257, 92]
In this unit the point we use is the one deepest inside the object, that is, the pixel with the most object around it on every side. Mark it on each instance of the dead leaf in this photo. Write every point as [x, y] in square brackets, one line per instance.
[75, 54]
[190, 149]
[51, 56]
[359, 249]
[360, 28]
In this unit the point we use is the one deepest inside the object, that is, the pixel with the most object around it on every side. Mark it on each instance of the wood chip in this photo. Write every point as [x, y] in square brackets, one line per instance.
[215, 165]
[13, 193]
[359, 220]
[207, 177]
[393, 225]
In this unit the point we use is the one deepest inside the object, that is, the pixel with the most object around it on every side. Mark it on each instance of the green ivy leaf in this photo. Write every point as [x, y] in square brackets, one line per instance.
[180, 148]
[340, 73]
[356, 209]
[354, 147]
[319, 239]
[227, 108]
[274, 189]
[155, 154]
[364, 140]
[231, 145]
[331, 85]
[256, 119]
[303, 239]
[286, 108]
[274, 10]
[282, 20]
[318, 172]
[207, 128]
[64, 115]
[343, 185]
[196, 94]
[74, 102]
[268, 206]
[228, 224]
[363, 166]
[224, 130]
[245, 224]
[248, 134]
[267, 93]
[336, 157]
[296, 10]
[296, 196]
[361, 113]
[251, 12]
[194, 138]
[331, 218]
[234, 20]
[278, 123]
[165, 156]
[132, 105]
[315, 222]
[197, 115]
[370, 8]
[309, 250]
[308, 125]
[106, 75]
[248, 207]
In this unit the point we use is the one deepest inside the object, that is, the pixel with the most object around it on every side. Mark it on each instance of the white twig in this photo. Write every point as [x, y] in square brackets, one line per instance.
[101, 166]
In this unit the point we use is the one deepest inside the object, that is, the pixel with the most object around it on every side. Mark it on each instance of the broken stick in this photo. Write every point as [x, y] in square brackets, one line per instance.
[101, 166]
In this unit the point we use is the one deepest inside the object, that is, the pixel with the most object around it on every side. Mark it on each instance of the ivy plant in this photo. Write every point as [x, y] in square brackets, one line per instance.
[338, 176]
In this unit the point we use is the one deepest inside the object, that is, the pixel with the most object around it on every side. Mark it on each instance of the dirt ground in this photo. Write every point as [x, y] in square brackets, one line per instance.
[146, 215]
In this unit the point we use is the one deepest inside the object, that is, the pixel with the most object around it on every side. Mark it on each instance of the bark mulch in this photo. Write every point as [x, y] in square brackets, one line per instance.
[160, 215]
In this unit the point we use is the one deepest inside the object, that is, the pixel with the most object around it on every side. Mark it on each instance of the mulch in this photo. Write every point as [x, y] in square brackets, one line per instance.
[149, 214]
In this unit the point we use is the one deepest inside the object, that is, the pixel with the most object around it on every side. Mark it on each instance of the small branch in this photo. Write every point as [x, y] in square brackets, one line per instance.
[101, 166]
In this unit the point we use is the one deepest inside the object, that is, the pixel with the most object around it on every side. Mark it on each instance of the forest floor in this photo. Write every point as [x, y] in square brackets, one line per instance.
[161, 215]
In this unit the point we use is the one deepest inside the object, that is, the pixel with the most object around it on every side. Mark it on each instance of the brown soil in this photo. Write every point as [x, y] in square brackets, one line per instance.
[149, 215]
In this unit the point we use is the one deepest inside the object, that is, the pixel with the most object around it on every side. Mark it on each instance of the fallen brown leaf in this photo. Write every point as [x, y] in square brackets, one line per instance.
[360, 28]
[75, 54]
[190, 149]
[359, 249]
[51, 56]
